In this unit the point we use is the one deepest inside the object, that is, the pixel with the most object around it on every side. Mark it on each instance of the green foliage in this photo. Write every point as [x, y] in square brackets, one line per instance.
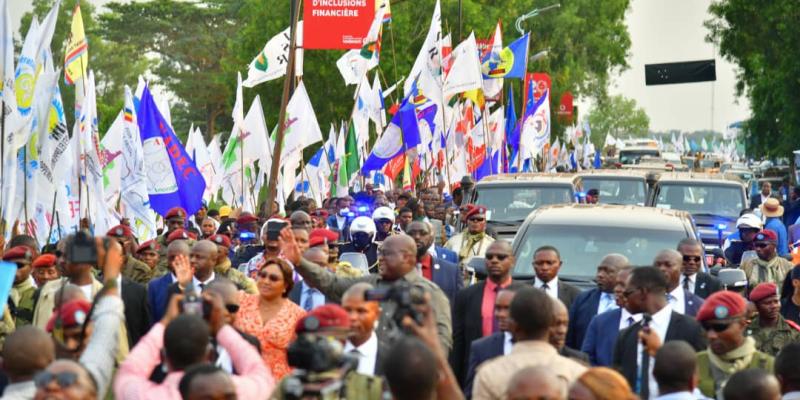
[761, 39]
[618, 116]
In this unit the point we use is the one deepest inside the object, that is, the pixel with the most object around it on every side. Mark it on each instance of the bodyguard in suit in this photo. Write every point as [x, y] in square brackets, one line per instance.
[694, 280]
[137, 312]
[474, 309]
[158, 289]
[558, 334]
[671, 265]
[595, 301]
[646, 292]
[362, 341]
[546, 264]
[495, 345]
[306, 296]
[602, 332]
[202, 258]
[443, 273]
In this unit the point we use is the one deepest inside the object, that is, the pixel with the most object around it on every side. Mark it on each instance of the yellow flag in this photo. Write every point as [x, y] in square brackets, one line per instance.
[76, 57]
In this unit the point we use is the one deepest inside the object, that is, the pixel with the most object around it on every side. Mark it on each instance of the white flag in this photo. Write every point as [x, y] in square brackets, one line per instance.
[492, 87]
[272, 61]
[7, 92]
[135, 199]
[466, 71]
[430, 54]
[354, 64]
[111, 150]
[301, 127]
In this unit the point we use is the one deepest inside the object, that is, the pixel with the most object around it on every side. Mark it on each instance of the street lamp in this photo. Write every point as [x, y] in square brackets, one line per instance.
[532, 14]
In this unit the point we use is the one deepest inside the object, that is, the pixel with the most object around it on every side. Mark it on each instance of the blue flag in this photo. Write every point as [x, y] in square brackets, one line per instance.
[401, 134]
[172, 177]
[510, 63]
[511, 120]
[598, 163]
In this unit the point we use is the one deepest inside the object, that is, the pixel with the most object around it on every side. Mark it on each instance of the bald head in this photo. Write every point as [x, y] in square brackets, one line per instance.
[84, 387]
[402, 242]
[301, 219]
[70, 292]
[27, 351]
[316, 255]
[670, 262]
[675, 367]
[398, 257]
[178, 247]
[558, 331]
[669, 254]
[357, 291]
[500, 246]
[615, 260]
[203, 258]
[608, 269]
[205, 246]
[225, 288]
[535, 383]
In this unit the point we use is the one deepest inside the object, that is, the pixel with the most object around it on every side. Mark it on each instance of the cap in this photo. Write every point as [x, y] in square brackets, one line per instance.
[593, 192]
[362, 224]
[120, 231]
[180, 234]
[762, 291]
[321, 236]
[246, 219]
[71, 313]
[175, 212]
[221, 240]
[771, 208]
[474, 210]
[722, 305]
[148, 245]
[766, 235]
[18, 253]
[749, 221]
[44, 261]
[224, 211]
[383, 213]
[328, 317]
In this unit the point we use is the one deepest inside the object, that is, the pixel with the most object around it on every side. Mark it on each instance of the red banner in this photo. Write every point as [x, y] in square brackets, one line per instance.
[566, 107]
[541, 81]
[336, 24]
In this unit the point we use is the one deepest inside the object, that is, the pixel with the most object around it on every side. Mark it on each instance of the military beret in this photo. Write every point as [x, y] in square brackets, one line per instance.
[321, 236]
[44, 261]
[180, 234]
[120, 231]
[246, 219]
[762, 291]
[327, 317]
[18, 253]
[722, 305]
[148, 245]
[475, 210]
[221, 240]
[175, 212]
[72, 313]
[766, 235]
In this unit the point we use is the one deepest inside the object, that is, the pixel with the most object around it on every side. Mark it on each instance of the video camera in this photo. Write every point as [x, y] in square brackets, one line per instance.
[404, 296]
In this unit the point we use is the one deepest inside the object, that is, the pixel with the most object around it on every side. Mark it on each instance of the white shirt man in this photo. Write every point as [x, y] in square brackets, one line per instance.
[551, 289]
[367, 355]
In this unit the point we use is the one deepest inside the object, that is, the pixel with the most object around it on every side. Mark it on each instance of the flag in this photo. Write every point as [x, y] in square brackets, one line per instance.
[351, 153]
[76, 56]
[535, 129]
[430, 55]
[202, 158]
[465, 74]
[7, 93]
[135, 201]
[354, 64]
[111, 148]
[401, 134]
[301, 127]
[173, 178]
[493, 87]
[611, 141]
[510, 62]
[272, 61]
[598, 162]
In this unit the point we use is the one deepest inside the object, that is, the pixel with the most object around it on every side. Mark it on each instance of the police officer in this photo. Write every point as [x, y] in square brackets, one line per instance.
[21, 300]
[223, 265]
[133, 269]
[770, 330]
[362, 235]
[384, 221]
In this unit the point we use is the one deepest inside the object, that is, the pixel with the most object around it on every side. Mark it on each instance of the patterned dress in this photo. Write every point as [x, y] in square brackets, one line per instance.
[275, 334]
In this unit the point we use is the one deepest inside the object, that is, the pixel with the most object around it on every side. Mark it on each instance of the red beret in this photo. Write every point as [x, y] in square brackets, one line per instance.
[180, 234]
[722, 305]
[22, 253]
[320, 213]
[762, 291]
[474, 210]
[176, 212]
[321, 236]
[72, 313]
[221, 240]
[324, 318]
[120, 231]
[246, 219]
[44, 261]
[149, 245]
[766, 235]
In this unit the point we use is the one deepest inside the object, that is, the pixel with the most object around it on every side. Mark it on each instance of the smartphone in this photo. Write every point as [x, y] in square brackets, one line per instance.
[274, 229]
[83, 249]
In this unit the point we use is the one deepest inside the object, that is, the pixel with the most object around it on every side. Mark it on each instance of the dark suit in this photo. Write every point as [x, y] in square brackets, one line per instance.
[446, 254]
[576, 355]
[583, 309]
[705, 285]
[756, 200]
[137, 312]
[482, 350]
[626, 347]
[447, 276]
[567, 293]
[157, 296]
[600, 337]
[692, 303]
[468, 325]
[296, 294]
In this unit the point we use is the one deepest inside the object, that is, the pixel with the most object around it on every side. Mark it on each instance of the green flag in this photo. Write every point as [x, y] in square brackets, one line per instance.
[351, 153]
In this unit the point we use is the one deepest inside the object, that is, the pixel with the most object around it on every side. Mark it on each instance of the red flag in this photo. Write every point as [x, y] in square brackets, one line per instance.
[394, 166]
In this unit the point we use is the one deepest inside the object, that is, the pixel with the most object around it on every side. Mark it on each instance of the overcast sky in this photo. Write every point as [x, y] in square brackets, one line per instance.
[661, 31]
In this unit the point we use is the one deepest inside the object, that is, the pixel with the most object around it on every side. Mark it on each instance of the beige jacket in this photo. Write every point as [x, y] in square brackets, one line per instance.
[478, 250]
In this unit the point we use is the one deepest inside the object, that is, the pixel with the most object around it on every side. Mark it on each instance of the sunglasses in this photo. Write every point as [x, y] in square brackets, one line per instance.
[499, 257]
[272, 277]
[692, 258]
[477, 219]
[717, 326]
[64, 379]
[232, 308]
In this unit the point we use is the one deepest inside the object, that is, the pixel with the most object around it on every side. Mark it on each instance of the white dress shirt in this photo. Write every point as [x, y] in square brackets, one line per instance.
[552, 286]
[623, 320]
[692, 281]
[791, 396]
[367, 355]
[658, 324]
[678, 396]
[606, 303]
[507, 343]
[677, 300]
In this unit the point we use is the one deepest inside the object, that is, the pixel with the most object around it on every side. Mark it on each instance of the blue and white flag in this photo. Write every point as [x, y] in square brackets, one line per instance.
[173, 179]
[401, 134]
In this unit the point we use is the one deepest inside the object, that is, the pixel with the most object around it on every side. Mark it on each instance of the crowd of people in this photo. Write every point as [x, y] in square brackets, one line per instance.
[377, 296]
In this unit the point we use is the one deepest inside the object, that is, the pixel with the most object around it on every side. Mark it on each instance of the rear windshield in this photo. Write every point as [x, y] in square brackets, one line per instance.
[617, 191]
[714, 200]
[514, 203]
[633, 156]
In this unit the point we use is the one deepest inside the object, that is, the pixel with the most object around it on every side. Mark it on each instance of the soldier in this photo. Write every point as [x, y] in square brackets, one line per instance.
[223, 265]
[133, 269]
[147, 253]
[768, 266]
[44, 269]
[769, 329]
[175, 219]
[22, 293]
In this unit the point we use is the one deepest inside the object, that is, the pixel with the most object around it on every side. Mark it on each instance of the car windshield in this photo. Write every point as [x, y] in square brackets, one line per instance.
[633, 156]
[617, 191]
[514, 203]
[726, 201]
[582, 247]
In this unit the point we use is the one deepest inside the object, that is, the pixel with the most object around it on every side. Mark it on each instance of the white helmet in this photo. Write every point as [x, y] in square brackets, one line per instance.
[362, 224]
[383, 213]
[749, 221]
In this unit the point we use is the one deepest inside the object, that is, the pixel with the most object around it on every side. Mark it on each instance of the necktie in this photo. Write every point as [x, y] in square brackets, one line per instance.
[545, 287]
[495, 325]
[308, 303]
[686, 283]
[630, 321]
[644, 388]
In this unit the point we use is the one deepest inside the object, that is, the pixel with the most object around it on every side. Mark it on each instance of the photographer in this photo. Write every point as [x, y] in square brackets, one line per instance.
[397, 262]
[322, 369]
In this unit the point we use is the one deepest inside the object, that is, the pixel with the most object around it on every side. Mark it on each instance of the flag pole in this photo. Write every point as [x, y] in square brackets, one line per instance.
[273, 176]
[25, 187]
[52, 216]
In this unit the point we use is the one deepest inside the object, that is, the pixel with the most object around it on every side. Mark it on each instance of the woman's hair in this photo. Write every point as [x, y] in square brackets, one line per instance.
[286, 271]
[606, 384]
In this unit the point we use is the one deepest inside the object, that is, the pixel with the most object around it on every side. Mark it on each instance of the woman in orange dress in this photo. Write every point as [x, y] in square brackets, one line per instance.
[270, 315]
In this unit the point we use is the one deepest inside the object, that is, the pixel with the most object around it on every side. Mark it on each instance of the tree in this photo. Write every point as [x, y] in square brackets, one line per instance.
[761, 39]
[619, 117]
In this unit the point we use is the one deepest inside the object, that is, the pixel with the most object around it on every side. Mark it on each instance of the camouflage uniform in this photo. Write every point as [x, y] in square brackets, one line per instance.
[237, 277]
[137, 271]
[356, 386]
[772, 340]
[6, 327]
[22, 295]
